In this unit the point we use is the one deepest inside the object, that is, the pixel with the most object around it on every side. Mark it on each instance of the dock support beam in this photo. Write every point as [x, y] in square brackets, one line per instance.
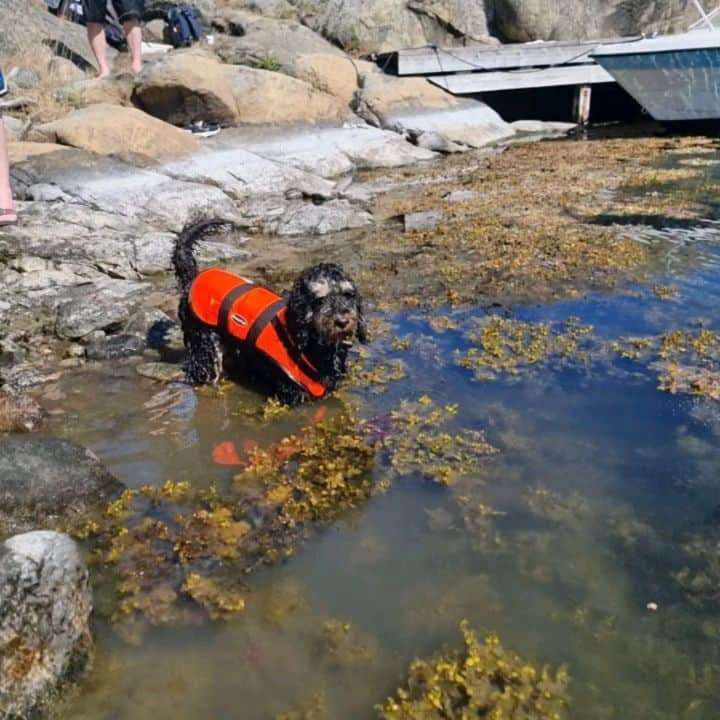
[581, 106]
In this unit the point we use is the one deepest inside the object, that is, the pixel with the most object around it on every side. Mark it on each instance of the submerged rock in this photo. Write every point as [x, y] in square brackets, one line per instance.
[48, 481]
[163, 372]
[19, 413]
[118, 346]
[45, 606]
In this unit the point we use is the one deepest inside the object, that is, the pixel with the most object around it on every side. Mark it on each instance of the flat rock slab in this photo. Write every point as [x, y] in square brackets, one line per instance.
[414, 222]
[242, 173]
[475, 124]
[47, 481]
[133, 195]
[334, 151]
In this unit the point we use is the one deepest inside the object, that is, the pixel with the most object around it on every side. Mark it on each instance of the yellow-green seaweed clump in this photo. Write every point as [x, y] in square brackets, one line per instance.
[423, 442]
[507, 346]
[481, 680]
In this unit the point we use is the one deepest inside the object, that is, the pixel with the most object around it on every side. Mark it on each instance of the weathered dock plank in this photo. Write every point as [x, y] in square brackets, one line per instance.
[472, 83]
[428, 61]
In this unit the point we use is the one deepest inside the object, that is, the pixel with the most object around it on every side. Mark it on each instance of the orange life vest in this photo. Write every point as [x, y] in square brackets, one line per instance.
[255, 315]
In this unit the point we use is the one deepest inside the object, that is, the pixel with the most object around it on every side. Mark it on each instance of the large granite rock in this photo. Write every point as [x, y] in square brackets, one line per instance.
[527, 20]
[45, 606]
[28, 27]
[261, 41]
[112, 129]
[265, 97]
[46, 482]
[91, 91]
[182, 87]
[382, 25]
[328, 73]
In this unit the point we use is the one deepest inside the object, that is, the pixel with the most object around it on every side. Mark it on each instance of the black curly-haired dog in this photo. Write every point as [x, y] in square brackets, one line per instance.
[293, 348]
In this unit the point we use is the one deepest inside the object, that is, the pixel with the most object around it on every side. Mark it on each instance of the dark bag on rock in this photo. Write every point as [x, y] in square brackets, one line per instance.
[193, 20]
[185, 27]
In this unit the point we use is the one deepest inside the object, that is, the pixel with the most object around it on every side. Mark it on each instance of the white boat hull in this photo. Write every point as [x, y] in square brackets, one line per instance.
[675, 78]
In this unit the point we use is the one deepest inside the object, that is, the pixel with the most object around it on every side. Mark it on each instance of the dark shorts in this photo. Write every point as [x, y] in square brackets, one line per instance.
[95, 10]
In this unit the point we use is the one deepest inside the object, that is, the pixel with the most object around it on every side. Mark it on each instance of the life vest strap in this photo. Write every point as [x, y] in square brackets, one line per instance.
[229, 301]
[293, 351]
[264, 319]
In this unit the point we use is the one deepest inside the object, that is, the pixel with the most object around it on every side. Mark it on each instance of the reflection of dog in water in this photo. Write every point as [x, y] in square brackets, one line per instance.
[294, 347]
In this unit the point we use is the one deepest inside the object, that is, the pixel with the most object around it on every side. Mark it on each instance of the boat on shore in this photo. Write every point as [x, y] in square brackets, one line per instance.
[675, 78]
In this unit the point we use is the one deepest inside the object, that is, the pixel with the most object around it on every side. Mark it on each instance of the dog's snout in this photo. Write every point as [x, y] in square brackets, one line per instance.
[341, 322]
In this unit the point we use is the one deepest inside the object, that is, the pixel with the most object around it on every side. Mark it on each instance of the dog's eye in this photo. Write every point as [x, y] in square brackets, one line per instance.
[349, 293]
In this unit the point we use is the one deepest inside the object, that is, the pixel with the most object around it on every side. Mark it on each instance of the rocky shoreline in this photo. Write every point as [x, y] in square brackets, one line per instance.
[320, 152]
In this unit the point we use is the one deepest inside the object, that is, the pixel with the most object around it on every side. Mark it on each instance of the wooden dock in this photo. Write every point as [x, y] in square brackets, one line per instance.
[521, 66]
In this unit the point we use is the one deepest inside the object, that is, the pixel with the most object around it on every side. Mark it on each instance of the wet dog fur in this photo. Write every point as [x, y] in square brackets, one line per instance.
[324, 316]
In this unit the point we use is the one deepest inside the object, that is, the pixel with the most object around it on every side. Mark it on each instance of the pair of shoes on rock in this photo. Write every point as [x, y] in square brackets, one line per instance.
[200, 128]
[8, 216]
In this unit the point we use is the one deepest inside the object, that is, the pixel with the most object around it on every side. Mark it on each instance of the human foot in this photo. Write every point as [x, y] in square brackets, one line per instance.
[8, 216]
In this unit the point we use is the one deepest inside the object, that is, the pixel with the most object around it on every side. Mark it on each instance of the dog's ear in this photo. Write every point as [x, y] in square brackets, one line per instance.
[362, 331]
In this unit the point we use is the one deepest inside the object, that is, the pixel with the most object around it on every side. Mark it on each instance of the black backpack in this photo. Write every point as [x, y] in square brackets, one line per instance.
[185, 27]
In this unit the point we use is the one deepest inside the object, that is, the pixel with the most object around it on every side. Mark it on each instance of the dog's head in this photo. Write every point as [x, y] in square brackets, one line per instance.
[325, 307]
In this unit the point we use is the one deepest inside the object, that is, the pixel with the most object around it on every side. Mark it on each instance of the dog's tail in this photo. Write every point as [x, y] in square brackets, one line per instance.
[183, 258]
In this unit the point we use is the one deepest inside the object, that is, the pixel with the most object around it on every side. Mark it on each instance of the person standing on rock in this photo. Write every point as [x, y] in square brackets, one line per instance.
[129, 12]
[7, 208]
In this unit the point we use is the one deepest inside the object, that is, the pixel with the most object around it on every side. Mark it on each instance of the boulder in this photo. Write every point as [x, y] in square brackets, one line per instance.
[155, 31]
[64, 71]
[79, 318]
[14, 128]
[91, 91]
[112, 129]
[45, 606]
[328, 73]
[527, 20]
[182, 87]
[47, 481]
[268, 43]
[23, 78]
[384, 25]
[19, 151]
[265, 97]
[28, 26]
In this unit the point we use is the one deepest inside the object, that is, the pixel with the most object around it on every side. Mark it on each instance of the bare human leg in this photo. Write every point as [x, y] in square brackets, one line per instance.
[96, 37]
[7, 208]
[133, 33]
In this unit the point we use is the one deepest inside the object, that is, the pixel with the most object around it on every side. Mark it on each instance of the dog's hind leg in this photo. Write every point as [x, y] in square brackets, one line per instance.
[205, 361]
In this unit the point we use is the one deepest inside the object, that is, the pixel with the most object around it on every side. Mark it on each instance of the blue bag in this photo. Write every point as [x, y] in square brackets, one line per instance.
[3, 84]
[193, 20]
[180, 33]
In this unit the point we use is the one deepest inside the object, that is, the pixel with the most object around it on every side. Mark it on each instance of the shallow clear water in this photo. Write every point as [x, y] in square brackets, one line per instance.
[632, 473]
